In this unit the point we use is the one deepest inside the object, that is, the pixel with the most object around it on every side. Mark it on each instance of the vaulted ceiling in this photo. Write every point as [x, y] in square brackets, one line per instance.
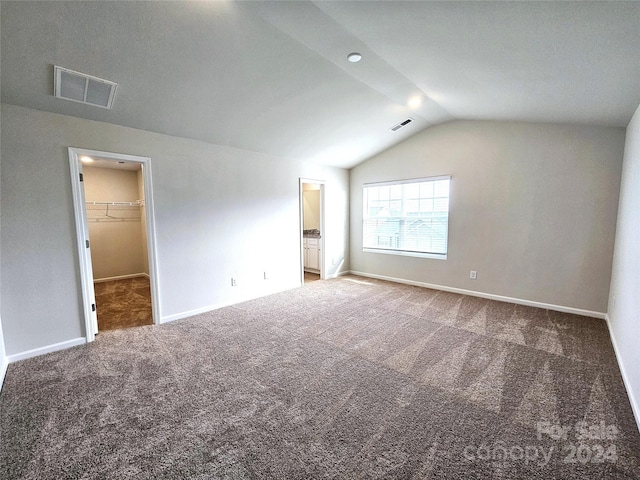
[273, 77]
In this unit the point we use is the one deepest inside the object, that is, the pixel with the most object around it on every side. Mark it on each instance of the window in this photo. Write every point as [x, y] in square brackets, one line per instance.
[409, 217]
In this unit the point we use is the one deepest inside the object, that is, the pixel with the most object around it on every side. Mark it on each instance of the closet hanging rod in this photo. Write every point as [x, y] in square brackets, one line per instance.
[137, 203]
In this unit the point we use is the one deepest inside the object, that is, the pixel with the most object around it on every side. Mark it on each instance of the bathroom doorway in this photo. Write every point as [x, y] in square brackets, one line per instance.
[312, 230]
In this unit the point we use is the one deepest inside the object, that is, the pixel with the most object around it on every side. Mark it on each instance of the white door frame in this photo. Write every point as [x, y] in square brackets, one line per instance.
[323, 232]
[82, 233]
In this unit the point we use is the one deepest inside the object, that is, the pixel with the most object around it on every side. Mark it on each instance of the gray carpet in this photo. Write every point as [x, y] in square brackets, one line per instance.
[347, 378]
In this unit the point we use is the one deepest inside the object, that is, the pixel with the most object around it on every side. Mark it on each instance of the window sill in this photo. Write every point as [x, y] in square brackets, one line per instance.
[404, 253]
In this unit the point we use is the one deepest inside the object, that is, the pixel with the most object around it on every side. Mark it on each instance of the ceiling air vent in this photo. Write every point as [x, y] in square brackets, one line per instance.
[397, 127]
[82, 88]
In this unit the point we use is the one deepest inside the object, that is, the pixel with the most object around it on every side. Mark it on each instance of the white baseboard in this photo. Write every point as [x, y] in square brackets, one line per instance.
[4, 363]
[490, 296]
[209, 308]
[191, 313]
[48, 349]
[635, 405]
[339, 274]
[120, 277]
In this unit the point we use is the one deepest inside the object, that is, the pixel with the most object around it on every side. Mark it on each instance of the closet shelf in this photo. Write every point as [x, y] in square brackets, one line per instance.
[114, 211]
[137, 203]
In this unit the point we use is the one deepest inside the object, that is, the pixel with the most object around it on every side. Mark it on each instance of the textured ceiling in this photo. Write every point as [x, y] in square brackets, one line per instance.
[273, 77]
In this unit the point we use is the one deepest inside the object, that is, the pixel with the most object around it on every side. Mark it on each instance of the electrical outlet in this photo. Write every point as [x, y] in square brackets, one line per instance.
[234, 282]
[266, 275]
[473, 275]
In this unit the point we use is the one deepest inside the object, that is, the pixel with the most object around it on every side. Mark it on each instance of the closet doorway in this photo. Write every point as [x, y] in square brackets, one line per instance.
[114, 218]
[312, 231]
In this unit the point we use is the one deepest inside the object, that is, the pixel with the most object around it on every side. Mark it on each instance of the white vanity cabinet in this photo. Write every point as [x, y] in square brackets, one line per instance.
[311, 254]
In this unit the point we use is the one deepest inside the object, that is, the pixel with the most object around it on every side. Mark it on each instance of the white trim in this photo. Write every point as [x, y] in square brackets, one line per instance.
[490, 296]
[36, 352]
[120, 277]
[195, 311]
[82, 233]
[635, 405]
[322, 243]
[405, 253]
[152, 246]
[339, 274]
[4, 363]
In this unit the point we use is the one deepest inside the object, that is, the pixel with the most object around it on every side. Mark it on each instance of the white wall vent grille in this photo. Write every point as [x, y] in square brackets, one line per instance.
[397, 127]
[82, 88]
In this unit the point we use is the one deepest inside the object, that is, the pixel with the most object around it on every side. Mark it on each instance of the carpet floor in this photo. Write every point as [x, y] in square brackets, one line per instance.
[123, 303]
[343, 379]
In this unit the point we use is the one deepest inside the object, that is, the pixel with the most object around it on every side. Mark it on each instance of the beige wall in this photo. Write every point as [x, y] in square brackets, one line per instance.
[143, 225]
[116, 246]
[311, 202]
[624, 302]
[532, 210]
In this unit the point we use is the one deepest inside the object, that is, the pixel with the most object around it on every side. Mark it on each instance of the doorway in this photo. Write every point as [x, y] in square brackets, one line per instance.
[113, 204]
[312, 233]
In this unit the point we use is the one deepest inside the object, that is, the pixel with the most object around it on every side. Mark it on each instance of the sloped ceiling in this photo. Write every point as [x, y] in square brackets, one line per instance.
[273, 77]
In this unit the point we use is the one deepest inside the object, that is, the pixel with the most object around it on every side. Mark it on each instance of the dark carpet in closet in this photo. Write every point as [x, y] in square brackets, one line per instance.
[123, 303]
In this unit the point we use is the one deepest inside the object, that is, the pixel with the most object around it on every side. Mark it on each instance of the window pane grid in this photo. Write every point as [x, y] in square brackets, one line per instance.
[409, 217]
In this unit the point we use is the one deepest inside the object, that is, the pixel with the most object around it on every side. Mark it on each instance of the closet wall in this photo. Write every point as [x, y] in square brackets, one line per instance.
[143, 224]
[117, 232]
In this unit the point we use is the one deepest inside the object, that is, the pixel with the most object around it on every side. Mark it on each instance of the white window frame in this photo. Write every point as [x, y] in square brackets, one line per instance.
[398, 251]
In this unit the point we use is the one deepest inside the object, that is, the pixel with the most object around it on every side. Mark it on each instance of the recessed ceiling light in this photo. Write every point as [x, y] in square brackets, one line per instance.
[354, 57]
[414, 102]
[86, 159]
